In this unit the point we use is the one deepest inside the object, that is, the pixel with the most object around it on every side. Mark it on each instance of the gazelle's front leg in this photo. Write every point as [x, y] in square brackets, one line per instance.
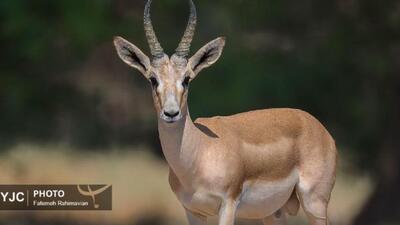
[195, 219]
[227, 212]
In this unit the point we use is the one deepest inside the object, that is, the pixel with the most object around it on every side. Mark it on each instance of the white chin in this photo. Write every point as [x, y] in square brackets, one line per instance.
[171, 120]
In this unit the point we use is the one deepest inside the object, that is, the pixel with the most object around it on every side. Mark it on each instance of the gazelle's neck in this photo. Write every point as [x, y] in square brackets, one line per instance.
[179, 143]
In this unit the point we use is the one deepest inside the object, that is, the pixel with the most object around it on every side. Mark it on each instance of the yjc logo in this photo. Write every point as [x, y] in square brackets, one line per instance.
[12, 196]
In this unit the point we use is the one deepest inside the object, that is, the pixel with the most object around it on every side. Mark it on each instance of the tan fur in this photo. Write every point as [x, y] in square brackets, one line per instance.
[304, 138]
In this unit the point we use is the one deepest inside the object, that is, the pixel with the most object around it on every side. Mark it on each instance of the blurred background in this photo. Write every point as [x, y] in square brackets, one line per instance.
[72, 112]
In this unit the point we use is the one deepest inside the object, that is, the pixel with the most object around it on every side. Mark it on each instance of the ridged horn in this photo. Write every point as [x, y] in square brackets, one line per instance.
[184, 46]
[155, 47]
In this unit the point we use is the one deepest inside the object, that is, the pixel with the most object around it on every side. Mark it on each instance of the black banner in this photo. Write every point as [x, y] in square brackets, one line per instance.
[56, 197]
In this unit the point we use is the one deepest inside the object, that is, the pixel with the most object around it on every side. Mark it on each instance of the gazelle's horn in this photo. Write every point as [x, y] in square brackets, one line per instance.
[184, 46]
[155, 47]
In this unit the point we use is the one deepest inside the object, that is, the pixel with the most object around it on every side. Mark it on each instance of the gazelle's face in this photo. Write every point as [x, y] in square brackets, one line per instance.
[169, 76]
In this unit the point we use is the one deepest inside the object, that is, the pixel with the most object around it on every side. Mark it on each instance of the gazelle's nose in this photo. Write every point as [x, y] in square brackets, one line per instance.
[171, 114]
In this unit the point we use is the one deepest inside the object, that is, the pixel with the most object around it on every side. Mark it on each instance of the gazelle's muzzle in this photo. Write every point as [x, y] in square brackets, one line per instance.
[170, 111]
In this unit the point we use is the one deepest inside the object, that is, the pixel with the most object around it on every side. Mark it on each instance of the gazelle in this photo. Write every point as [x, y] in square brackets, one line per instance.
[260, 164]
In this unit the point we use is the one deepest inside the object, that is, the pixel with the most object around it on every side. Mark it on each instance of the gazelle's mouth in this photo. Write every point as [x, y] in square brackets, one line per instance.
[168, 119]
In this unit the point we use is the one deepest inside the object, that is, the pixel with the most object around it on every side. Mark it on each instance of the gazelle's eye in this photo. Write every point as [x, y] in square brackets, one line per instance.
[154, 82]
[185, 82]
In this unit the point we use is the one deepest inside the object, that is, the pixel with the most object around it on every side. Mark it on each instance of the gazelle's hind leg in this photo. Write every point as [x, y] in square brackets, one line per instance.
[317, 177]
[314, 194]
[315, 204]
[278, 218]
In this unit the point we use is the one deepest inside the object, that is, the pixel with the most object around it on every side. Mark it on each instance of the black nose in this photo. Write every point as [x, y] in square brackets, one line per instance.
[171, 114]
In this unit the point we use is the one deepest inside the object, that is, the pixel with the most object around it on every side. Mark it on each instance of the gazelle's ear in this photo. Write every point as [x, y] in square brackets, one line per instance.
[207, 55]
[132, 55]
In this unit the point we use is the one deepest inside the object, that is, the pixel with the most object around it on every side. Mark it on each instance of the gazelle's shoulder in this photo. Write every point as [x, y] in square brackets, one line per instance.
[209, 121]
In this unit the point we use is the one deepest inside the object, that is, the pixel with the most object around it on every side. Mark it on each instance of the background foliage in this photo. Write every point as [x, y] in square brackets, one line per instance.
[61, 81]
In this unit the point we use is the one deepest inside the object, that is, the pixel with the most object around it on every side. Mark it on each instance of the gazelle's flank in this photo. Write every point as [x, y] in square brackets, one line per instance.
[259, 164]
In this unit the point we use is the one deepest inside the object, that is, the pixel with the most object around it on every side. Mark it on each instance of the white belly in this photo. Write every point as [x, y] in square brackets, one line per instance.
[262, 198]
